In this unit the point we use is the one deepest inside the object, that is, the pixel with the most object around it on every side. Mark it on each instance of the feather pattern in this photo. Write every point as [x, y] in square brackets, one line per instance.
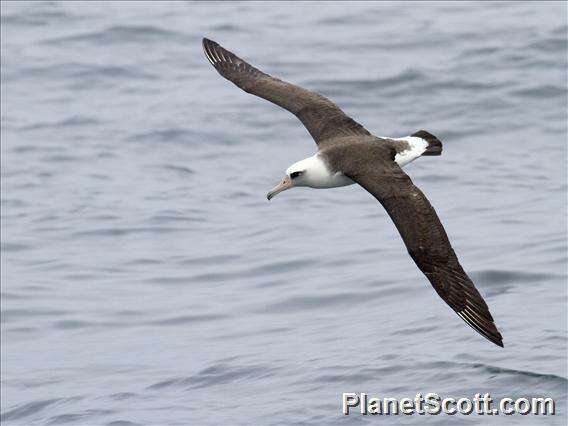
[323, 119]
[422, 233]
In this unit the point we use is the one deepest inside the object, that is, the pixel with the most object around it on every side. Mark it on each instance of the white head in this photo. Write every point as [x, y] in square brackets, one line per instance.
[310, 171]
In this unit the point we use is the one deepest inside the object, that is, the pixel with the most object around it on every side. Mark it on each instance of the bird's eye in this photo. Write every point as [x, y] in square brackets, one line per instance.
[295, 174]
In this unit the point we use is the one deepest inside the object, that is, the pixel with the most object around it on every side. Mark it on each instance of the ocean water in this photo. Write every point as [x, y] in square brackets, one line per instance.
[146, 280]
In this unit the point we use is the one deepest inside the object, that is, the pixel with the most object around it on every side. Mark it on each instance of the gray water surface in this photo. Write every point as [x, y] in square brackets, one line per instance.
[147, 280]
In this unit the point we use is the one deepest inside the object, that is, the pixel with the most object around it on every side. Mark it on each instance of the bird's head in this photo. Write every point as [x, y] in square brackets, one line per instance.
[298, 174]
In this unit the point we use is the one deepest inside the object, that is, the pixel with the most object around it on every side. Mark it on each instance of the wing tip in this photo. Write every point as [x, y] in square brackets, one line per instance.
[498, 341]
[209, 47]
[217, 54]
[207, 42]
[498, 338]
[486, 329]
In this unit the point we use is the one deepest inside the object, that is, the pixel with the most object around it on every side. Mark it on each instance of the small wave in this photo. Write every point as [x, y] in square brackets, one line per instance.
[61, 158]
[187, 319]
[75, 121]
[72, 324]
[22, 149]
[14, 247]
[271, 269]
[228, 28]
[524, 379]
[462, 85]
[165, 135]
[542, 91]
[170, 218]
[496, 277]
[434, 177]
[479, 51]
[210, 260]
[77, 418]
[11, 315]
[122, 396]
[362, 85]
[80, 75]
[301, 303]
[11, 296]
[180, 169]
[551, 44]
[34, 17]
[361, 375]
[281, 267]
[123, 423]
[345, 19]
[123, 34]
[119, 232]
[185, 279]
[28, 409]
[218, 374]
[66, 418]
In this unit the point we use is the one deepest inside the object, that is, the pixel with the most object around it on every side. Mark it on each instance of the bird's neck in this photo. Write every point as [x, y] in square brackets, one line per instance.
[318, 175]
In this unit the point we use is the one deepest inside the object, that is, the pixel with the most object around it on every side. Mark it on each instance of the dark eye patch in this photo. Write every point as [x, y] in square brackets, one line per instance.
[295, 174]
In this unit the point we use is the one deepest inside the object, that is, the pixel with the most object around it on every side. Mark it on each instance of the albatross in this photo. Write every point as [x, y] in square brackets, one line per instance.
[348, 154]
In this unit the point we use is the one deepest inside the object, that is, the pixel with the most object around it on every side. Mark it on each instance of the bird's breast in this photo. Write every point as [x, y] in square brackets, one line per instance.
[319, 175]
[331, 180]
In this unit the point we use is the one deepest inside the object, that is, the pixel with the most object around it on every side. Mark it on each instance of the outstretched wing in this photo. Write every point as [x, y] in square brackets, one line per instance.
[427, 242]
[323, 119]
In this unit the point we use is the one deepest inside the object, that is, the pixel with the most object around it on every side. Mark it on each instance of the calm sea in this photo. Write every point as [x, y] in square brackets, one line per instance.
[146, 280]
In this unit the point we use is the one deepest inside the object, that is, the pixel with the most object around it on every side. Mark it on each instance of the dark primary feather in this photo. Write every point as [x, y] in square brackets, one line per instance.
[323, 119]
[421, 231]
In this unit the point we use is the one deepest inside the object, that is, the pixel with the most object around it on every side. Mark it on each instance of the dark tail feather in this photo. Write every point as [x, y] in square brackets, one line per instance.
[434, 144]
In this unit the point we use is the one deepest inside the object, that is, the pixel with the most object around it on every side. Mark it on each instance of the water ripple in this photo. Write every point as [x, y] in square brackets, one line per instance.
[218, 374]
[123, 34]
[146, 279]
[31, 408]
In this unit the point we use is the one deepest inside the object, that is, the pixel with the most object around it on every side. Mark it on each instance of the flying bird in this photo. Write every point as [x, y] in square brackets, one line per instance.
[348, 154]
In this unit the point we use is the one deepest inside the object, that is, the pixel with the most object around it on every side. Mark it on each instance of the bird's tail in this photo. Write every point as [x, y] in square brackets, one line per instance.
[434, 144]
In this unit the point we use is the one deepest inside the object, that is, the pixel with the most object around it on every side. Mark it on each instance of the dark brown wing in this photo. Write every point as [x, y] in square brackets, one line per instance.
[427, 242]
[323, 119]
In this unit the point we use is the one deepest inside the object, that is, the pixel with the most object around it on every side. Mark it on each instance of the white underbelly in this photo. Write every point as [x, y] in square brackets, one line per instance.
[330, 181]
[336, 180]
